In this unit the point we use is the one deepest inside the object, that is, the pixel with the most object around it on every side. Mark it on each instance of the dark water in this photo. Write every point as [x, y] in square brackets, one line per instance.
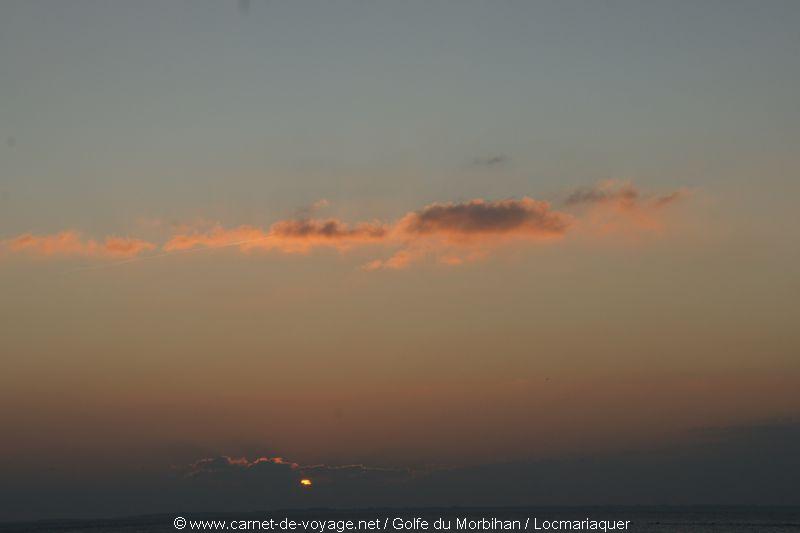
[641, 519]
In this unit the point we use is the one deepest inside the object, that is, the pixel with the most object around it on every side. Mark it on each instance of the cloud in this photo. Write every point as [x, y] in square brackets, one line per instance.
[303, 234]
[307, 211]
[280, 480]
[746, 465]
[400, 259]
[126, 246]
[224, 464]
[491, 161]
[288, 236]
[355, 473]
[70, 243]
[619, 207]
[750, 464]
[478, 218]
[217, 237]
[290, 471]
[454, 233]
[449, 233]
[621, 195]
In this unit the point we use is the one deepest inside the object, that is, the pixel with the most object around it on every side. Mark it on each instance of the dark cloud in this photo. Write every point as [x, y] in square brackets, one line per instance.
[755, 464]
[620, 195]
[526, 216]
[278, 468]
[224, 464]
[593, 195]
[356, 474]
[667, 199]
[491, 161]
[327, 229]
[457, 232]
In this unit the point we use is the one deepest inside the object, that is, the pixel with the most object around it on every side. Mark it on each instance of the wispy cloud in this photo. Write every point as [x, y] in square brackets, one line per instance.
[491, 161]
[621, 195]
[71, 243]
[613, 207]
[308, 211]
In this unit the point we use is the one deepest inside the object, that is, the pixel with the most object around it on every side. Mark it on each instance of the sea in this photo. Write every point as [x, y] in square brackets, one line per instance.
[699, 519]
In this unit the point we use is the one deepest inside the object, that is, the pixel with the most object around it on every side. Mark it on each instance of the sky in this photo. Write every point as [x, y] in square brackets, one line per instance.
[409, 250]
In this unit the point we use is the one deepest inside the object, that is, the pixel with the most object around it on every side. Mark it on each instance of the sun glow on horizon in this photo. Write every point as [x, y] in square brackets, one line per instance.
[306, 482]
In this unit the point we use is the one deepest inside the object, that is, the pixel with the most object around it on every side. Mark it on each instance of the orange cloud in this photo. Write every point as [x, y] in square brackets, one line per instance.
[126, 246]
[400, 259]
[446, 233]
[301, 235]
[289, 236]
[70, 243]
[216, 237]
[450, 233]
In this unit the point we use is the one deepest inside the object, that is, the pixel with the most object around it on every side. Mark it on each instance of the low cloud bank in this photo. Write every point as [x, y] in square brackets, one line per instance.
[751, 465]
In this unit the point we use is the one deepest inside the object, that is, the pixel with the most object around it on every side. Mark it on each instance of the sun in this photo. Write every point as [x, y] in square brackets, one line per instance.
[306, 482]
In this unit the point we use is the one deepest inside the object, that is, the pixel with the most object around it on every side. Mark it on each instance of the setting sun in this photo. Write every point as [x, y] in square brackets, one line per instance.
[305, 482]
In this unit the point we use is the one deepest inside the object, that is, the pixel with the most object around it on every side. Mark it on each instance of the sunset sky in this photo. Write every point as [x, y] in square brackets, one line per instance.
[394, 244]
